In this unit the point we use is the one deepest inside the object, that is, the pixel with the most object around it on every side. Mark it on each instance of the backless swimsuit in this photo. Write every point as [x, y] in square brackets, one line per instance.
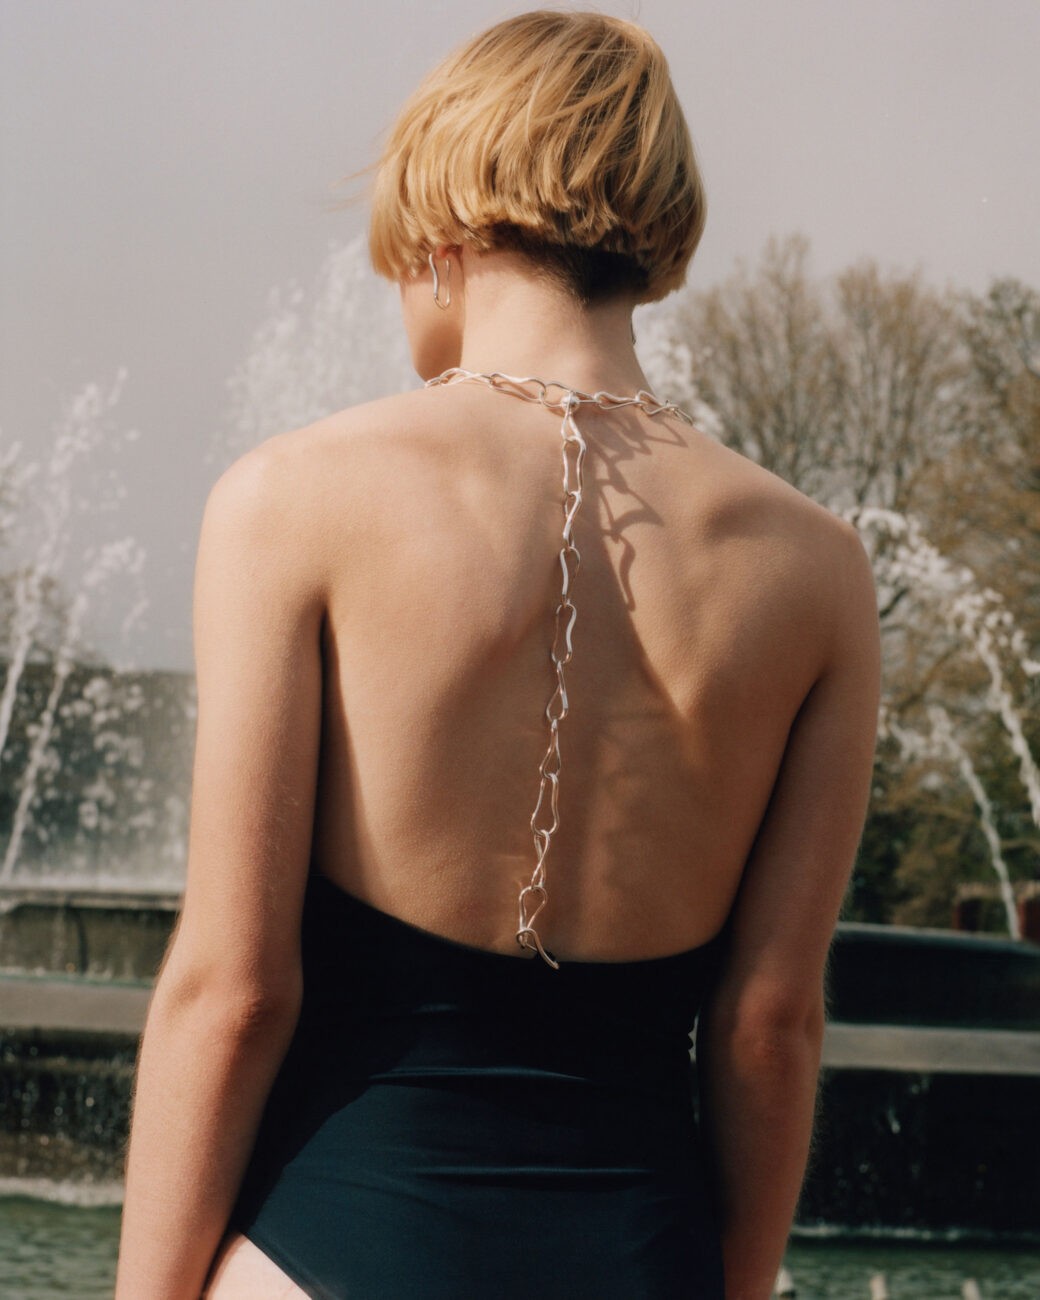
[454, 1123]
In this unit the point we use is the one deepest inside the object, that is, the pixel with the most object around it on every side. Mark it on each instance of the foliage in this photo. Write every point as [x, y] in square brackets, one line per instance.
[915, 414]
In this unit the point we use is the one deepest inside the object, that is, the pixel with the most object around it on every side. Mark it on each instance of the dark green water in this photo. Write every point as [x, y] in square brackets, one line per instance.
[50, 1250]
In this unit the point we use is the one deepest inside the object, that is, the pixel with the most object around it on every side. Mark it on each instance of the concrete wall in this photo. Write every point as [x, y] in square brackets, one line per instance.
[929, 1109]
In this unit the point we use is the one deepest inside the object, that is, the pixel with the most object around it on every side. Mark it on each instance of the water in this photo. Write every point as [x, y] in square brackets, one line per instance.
[53, 1249]
[96, 752]
[841, 1268]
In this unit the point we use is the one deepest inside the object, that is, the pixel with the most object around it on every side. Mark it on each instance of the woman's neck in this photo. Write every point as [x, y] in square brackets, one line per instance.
[519, 323]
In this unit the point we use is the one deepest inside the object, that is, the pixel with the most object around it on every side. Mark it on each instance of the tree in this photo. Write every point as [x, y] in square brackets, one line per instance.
[916, 415]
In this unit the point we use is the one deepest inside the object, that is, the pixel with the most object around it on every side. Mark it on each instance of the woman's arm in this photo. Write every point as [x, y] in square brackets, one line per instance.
[760, 1032]
[228, 993]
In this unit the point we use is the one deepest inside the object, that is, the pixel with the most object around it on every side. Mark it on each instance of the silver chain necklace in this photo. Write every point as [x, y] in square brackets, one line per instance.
[533, 896]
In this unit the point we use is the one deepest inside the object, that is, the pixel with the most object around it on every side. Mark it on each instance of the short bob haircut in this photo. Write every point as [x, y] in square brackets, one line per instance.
[556, 134]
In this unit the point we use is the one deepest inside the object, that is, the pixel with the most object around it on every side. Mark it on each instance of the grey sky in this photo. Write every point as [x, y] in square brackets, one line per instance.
[164, 164]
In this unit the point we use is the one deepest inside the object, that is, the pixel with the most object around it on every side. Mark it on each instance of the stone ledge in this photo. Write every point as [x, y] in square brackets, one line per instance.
[111, 1007]
[54, 1004]
[931, 1050]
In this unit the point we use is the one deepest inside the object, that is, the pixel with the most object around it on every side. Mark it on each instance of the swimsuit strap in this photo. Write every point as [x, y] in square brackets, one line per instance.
[533, 896]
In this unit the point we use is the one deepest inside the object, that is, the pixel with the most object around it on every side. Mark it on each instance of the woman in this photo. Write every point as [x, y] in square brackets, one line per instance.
[393, 1051]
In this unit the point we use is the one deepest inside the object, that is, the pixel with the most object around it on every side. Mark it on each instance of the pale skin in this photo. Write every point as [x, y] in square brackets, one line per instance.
[373, 595]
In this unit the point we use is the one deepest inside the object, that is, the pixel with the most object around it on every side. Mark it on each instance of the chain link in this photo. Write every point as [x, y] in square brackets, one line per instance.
[533, 896]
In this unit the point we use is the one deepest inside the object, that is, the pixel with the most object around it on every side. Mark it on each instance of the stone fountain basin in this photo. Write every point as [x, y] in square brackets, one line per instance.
[929, 1097]
[878, 974]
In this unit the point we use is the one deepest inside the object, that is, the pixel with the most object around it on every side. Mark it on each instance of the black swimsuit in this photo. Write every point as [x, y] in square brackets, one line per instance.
[452, 1123]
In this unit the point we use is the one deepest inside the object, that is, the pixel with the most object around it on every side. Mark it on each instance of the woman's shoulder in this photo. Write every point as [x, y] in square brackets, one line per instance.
[316, 483]
[745, 498]
[289, 458]
[787, 559]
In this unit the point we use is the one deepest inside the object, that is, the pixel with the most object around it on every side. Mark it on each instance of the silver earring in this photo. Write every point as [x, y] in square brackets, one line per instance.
[437, 283]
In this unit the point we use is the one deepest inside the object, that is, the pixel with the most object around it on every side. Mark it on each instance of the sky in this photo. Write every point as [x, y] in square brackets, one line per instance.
[166, 164]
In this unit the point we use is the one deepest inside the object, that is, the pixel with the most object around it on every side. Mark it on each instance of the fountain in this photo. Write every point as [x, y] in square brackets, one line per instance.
[932, 1058]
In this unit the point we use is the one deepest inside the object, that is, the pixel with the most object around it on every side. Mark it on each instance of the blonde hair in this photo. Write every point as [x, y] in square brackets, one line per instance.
[557, 134]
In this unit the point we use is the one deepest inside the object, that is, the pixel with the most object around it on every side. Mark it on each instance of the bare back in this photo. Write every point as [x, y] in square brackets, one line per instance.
[373, 615]
[702, 598]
